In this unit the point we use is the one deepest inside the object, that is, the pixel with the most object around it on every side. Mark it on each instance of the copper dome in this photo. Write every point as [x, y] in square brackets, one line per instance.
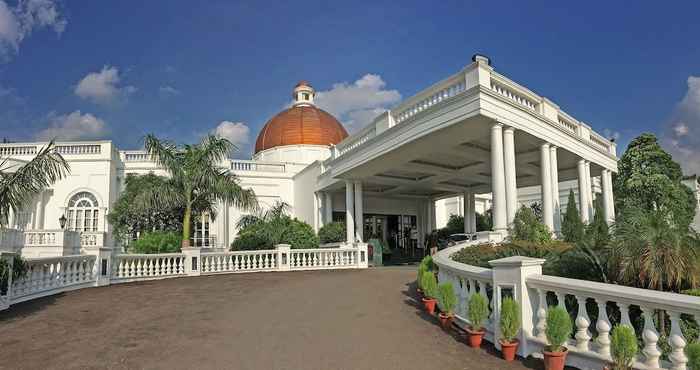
[300, 124]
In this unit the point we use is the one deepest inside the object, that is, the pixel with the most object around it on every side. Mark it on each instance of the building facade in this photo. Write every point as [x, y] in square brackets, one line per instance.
[474, 141]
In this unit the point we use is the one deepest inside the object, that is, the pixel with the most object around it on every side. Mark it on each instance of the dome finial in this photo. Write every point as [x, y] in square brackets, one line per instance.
[303, 94]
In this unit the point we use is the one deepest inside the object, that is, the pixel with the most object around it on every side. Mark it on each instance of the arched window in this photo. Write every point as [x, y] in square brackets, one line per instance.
[83, 212]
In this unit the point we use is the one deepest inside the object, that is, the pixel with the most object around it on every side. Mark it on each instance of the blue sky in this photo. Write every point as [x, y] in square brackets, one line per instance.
[180, 69]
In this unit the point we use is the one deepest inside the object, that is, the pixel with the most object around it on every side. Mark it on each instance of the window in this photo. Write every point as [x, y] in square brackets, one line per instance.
[202, 237]
[306, 96]
[83, 212]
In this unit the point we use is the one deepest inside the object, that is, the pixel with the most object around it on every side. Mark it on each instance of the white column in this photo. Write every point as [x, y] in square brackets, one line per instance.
[467, 212]
[432, 219]
[582, 193]
[359, 213]
[589, 189]
[319, 209]
[545, 167]
[511, 183]
[328, 207]
[608, 201]
[498, 184]
[555, 188]
[11, 219]
[39, 214]
[317, 220]
[349, 212]
[472, 213]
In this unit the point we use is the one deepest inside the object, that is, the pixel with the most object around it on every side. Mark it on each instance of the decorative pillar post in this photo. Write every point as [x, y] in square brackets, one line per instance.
[283, 257]
[582, 193]
[589, 189]
[472, 213]
[510, 176]
[359, 213]
[468, 208]
[102, 269]
[556, 200]
[192, 260]
[608, 201]
[349, 213]
[317, 213]
[498, 184]
[545, 166]
[328, 207]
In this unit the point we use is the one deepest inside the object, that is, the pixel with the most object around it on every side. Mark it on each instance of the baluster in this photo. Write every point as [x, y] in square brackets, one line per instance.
[150, 271]
[246, 259]
[264, 261]
[624, 314]
[168, 266]
[335, 259]
[650, 337]
[81, 272]
[582, 322]
[221, 261]
[541, 325]
[677, 342]
[140, 266]
[603, 326]
[561, 300]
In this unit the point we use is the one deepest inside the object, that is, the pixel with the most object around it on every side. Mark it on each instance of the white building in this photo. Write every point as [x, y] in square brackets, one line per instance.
[475, 135]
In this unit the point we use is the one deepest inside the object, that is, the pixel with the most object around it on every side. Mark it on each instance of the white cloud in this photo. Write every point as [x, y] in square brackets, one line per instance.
[681, 134]
[166, 91]
[73, 126]
[103, 87]
[610, 134]
[356, 104]
[236, 132]
[16, 23]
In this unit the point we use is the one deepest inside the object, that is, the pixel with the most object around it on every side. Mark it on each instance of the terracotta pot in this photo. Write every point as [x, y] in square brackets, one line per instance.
[474, 337]
[429, 304]
[508, 349]
[445, 320]
[555, 360]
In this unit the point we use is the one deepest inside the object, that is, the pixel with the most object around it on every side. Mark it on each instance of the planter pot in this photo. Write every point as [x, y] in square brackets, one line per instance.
[508, 349]
[474, 337]
[445, 320]
[555, 360]
[429, 304]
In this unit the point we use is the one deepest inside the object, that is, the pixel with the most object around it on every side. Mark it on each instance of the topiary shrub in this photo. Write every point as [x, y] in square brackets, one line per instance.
[572, 228]
[332, 233]
[510, 319]
[623, 347]
[478, 311]
[280, 230]
[446, 298]
[429, 284]
[693, 353]
[527, 227]
[558, 329]
[157, 242]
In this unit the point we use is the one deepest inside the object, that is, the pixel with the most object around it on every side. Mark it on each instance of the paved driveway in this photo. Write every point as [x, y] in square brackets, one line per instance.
[300, 320]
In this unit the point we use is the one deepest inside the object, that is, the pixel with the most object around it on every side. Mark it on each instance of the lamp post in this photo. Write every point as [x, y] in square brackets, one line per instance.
[62, 221]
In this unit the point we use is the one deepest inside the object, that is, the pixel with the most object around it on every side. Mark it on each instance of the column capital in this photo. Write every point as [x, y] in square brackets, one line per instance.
[509, 130]
[545, 145]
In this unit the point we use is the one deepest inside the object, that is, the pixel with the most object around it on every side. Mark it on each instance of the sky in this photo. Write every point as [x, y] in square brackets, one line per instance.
[118, 70]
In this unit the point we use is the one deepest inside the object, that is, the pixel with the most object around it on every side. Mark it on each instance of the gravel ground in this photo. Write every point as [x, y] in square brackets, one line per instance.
[348, 319]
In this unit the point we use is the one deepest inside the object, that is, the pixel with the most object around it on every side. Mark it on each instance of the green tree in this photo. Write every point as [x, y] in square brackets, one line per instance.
[196, 182]
[649, 179]
[484, 222]
[264, 230]
[157, 242]
[332, 232]
[128, 221]
[572, 227]
[19, 184]
[455, 224]
[527, 227]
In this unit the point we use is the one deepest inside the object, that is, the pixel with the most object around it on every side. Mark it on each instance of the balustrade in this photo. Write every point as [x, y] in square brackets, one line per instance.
[147, 266]
[44, 275]
[309, 259]
[243, 261]
[79, 149]
[17, 150]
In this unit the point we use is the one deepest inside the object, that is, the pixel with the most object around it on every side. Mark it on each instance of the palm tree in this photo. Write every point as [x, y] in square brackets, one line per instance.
[275, 212]
[196, 180]
[19, 187]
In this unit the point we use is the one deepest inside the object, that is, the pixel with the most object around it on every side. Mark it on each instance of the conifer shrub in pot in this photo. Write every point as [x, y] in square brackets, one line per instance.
[623, 347]
[426, 264]
[447, 302]
[478, 313]
[693, 353]
[510, 325]
[430, 290]
[558, 331]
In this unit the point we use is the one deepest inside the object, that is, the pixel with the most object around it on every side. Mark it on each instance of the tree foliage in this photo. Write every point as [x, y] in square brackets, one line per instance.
[264, 230]
[17, 188]
[484, 222]
[157, 242]
[649, 179]
[429, 284]
[455, 224]
[527, 227]
[623, 346]
[332, 232]
[447, 300]
[197, 181]
[558, 328]
[128, 221]
[572, 227]
[478, 311]
[510, 318]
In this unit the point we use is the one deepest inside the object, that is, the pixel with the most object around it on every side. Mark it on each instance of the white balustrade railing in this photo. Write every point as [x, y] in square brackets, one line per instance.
[513, 94]
[19, 150]
[351, 144]
[92, 238]
[46, 276]
[136, 156]
[131, 267]
[595, 307]
[256, 166]
[310, 259]
[79, 149]
[431, 97]
[242, 261]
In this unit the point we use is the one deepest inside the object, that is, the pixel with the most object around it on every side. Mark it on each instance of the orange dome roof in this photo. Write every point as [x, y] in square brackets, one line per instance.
[301, 124]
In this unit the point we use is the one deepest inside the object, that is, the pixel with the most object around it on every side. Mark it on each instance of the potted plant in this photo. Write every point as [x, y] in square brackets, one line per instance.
[478, 313]
[510, 325]
[558, 331]
[447, 302]
[430, 292]
[623, 347]
[419, 279]
[693, 353]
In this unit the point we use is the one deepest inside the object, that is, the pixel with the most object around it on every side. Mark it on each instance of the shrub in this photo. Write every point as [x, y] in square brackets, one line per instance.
[623, 346]
[332, 233]
[427, 261]
[280, 230]
[157, 242]
[446, 298]
[429, 285]
[572, 227]
[480, 255]
[419, 280]
[510, 319]
[558, 329]
[19, 270]
[249, 241]
[455, 224]
[527, 227]
[478, 311]
[693, 353]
